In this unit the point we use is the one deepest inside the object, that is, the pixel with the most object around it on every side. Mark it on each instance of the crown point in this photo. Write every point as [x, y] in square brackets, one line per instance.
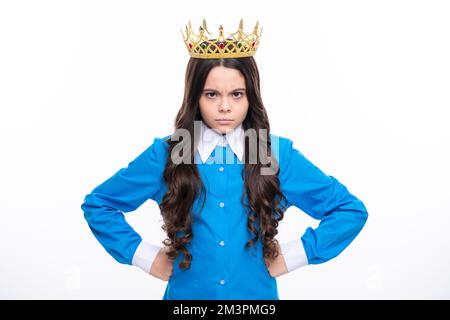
[241, 24]
[256, 26]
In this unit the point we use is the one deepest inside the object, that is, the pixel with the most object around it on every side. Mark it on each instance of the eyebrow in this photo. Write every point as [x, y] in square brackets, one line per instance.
[238, 89]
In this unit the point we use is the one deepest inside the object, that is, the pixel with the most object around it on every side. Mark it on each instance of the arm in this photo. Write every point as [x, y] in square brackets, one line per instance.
[323, 197]
[125, 191]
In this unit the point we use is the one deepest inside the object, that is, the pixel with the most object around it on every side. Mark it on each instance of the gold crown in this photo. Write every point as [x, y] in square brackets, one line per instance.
[236, 45]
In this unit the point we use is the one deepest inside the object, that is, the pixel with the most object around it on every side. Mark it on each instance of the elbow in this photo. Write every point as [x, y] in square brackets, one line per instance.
[363, 214]
[357, 214]
[87, 207]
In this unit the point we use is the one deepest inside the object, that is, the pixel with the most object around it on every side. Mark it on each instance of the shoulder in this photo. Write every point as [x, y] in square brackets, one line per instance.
[281, 147]
[281, 140]
[158, 148]
[161, 142]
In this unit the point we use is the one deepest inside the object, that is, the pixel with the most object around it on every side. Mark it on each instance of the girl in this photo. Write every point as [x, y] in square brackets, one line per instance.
[221, 217]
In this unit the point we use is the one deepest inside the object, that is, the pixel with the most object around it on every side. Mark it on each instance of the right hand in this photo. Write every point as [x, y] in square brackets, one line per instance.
[162, 266]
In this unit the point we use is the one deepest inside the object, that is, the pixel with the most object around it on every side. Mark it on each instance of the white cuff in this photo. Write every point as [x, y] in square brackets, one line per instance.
[145, 255]
[294, 254]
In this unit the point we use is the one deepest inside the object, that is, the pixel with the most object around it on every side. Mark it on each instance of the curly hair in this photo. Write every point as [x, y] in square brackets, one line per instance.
[183, 180]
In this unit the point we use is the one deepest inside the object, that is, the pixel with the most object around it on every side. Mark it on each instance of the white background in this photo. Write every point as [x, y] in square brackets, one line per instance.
[362, 87]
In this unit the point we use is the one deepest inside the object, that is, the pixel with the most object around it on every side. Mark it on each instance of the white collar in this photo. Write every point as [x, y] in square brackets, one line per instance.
[209, 139]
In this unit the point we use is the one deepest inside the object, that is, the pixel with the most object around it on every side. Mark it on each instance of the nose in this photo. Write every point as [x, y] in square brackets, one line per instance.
[224, 106]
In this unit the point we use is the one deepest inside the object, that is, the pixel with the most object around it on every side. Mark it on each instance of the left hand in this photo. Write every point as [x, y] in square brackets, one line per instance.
[278, 266]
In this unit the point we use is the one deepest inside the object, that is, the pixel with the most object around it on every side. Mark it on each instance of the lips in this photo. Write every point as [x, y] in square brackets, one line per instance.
[224, 122]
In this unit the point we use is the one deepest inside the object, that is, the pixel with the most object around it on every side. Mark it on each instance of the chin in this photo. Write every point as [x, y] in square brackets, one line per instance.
[223, 128]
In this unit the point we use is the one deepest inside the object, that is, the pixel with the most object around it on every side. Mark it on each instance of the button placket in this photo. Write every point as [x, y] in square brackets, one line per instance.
[222, 252]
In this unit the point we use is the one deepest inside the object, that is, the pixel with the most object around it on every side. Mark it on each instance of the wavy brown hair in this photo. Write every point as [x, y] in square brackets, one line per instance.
[184, 182]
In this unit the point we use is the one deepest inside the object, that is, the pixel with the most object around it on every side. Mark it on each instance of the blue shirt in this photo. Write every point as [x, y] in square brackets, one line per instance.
[221, 268]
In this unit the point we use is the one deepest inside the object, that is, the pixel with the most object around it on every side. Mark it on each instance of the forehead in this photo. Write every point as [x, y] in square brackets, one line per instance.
[222, 78]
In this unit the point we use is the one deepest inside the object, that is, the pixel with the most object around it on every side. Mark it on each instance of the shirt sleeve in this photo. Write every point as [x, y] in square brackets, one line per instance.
[294, 254]
[123, 192]
[323, 197]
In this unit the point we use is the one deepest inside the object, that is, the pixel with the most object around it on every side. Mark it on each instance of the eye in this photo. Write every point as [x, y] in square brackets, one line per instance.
[210, 94]
[238, 94]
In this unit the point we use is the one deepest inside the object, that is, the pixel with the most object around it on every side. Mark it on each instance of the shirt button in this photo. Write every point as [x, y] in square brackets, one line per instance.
[222, 243]
[222, 282]
[222, 204]
[221, 169]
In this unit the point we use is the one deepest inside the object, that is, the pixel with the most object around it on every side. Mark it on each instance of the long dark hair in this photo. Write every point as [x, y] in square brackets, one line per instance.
[184, 182]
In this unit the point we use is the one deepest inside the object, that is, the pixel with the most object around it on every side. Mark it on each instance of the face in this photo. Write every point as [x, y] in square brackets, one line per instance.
[224, 103]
